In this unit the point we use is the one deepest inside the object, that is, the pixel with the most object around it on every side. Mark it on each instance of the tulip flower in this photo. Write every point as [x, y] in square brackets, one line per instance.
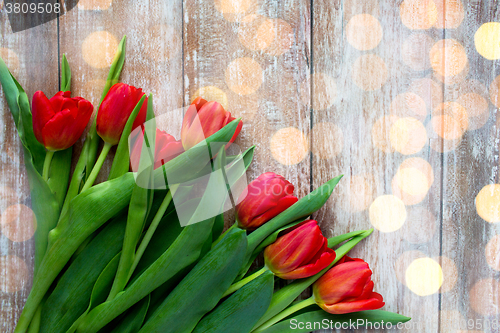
[115, 110]
[300, 253]
[347, 287]
[166, 148]
[202, 119]
[266, 197]
[58, 122]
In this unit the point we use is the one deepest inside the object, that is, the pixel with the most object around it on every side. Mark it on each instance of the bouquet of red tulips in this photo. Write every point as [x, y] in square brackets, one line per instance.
[145, 250]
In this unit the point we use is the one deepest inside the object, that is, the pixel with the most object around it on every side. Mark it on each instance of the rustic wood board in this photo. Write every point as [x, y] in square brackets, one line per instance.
[349, 87]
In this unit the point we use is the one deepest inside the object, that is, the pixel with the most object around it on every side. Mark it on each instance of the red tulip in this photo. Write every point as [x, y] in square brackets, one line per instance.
[300, 253]
[347, 287]
[266, 197]
[202, 119]
[166, 148]
[60, 121]
[115, 110]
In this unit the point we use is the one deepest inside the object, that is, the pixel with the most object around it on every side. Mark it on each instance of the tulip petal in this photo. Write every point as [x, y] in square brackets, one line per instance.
[59, 99]
[311, 269]
[42, 112]
[343, 281]
[354, 306]
[281, 206]
[60, 132]
[290, 250]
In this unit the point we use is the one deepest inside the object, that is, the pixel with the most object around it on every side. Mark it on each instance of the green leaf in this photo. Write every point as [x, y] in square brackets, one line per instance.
[65, 74]
[319, 319]
[59, 173]
[121, 160]
[240, 312]
[286, 295]
[100, 290]
[71, 296]
[134, 318]
[201, 290]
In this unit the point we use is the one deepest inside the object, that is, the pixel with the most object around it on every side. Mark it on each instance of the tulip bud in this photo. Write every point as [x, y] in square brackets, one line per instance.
[265, 197]
[300, 253]
[115, 110]
[166, 148]
[347, 287]
[202, 119]
[60, 121]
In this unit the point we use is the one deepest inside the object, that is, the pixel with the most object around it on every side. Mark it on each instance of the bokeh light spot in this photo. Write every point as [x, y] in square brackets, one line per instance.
[99, 48]
[488, 203]
[244, 76]
[487, 39]
[212, 93]
[418, 14]
[387, 213]
[18, 223]
[289, 146]
[448, 57]
[14, 274]
[485, 296]
[408, 136]
[364, 32]
[424, 276]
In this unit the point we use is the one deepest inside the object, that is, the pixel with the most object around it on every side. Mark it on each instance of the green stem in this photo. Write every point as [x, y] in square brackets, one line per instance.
[151, 230]
[224, 234]
[46, 164]
[285, 313]
[243, 282]
[97, 167]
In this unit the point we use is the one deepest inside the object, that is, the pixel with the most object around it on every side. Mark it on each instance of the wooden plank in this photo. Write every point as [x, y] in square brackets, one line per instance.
[371, 102]
[89, 36]
[470, 241]
[253, 60]
[32, 56]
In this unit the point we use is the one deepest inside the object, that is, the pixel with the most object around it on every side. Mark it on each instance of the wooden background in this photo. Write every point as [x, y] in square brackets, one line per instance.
[395, 95]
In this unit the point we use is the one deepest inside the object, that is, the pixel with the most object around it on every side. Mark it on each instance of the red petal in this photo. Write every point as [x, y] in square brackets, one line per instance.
[42, 112]
[311, 269]
[61, 131]
[355, 306]
[342, 282]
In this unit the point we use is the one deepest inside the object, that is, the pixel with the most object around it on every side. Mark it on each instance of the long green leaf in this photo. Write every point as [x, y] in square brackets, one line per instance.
[321, 320]
[121, 160]
[100, 290]
[202, 288]
[71, 296]
[65, 74]
[241, 311]
[134, 318]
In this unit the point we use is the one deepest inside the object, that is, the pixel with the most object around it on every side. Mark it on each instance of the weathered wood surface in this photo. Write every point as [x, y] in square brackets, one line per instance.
[351, 87]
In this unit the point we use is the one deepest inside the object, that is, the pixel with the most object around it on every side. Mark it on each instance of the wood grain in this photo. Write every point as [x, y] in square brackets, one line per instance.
[35, 70]
[323, 88]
